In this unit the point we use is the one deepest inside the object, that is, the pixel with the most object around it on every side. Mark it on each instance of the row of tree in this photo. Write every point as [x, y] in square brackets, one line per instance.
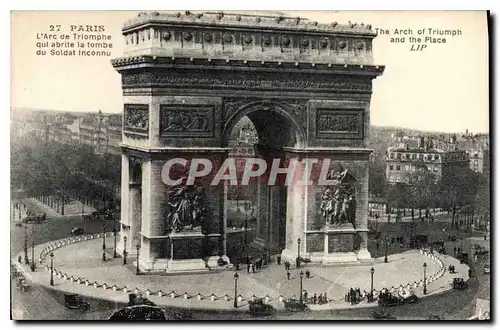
[463, 192]
[63, 172]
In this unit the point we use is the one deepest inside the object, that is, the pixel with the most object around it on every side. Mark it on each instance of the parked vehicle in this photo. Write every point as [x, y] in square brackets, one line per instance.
[459, 283]
[74, 301]
[259, 308]
[294, 305]
[77, 231]
[382, 315]
[388, 299]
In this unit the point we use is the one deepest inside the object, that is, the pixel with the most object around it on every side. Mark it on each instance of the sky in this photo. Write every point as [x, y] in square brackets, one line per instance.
[442, 88]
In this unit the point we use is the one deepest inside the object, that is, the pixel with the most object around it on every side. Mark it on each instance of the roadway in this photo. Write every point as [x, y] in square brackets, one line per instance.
[42, 304]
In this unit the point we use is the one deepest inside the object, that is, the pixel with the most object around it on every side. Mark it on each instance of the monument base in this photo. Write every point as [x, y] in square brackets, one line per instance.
[198, 265]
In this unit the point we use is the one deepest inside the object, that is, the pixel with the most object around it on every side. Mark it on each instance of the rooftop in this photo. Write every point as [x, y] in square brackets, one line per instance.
[280, 22]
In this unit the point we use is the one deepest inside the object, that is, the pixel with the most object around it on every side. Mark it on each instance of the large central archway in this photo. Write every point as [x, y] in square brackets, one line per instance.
[187, 79]
[277, 130]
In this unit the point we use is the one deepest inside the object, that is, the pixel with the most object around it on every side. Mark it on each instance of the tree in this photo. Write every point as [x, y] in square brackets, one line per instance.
[377, 184]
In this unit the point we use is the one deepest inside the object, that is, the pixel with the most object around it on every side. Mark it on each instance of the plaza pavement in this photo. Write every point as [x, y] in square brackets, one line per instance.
[79, 269]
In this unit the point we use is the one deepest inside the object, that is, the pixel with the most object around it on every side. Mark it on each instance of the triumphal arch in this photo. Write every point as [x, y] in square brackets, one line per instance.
[187, 79]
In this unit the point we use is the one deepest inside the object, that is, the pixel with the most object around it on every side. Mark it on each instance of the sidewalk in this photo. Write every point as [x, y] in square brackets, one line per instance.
[79, 269]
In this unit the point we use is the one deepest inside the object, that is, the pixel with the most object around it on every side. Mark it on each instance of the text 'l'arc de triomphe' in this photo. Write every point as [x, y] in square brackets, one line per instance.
[188, 78]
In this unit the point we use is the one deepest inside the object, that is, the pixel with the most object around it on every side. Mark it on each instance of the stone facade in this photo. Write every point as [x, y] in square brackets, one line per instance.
[188, 79]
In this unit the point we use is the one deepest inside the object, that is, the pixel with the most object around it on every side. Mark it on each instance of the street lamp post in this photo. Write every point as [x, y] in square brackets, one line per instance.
[246, 231]
[425, 278]
[300, 293]
[114, 237]
[298, 248]
[26, 260]
[372, 271]
[33, 256]
[386, 248]
[51, 269]
[125, 250]
[138, 247]
[104, 239]
[235, 304]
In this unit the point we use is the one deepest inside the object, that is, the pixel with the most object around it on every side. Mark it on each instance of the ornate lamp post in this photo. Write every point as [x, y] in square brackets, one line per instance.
[425, 278]
[114, 237]
[104, 239]
[125, 250]
[235, 304]
[300, 293]
[372, 271]
[51, 269]
[33, 256]
[138, 247]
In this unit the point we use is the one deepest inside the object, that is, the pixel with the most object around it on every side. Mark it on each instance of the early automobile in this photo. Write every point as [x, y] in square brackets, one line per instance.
[77, 231]
[139, 313]
[388, 299]
[259, 308]
[74, 301]
[459, 283]
[294, 305]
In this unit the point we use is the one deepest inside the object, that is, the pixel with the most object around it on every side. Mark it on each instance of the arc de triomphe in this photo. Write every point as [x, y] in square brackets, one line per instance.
[188, 78]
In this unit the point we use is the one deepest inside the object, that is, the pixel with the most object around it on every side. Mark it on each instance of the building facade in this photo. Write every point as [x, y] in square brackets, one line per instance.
[403, 161]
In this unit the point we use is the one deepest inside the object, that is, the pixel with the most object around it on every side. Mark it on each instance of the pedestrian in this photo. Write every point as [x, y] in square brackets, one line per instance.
[378, 245]
[305, 296]
[278, 260]
[308, 274]
[320, 299]
[315, 299]
[248, 267]
[288, 275]
[455, 250]
[325, 298]
[459, 250]
[253, 268]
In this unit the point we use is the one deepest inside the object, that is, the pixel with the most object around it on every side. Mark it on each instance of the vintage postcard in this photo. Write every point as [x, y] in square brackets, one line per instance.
[234, 165]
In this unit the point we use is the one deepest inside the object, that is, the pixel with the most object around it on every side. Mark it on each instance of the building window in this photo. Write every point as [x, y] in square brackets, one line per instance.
[398, 168]
[436, 157]
[391, 167]
[412, 156]
[475, 162]
[407, 168]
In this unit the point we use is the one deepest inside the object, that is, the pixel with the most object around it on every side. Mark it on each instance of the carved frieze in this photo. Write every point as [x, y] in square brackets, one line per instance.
[186, 120]
[335, 124]
[136, 119]
[340, 243]
[234, 79]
